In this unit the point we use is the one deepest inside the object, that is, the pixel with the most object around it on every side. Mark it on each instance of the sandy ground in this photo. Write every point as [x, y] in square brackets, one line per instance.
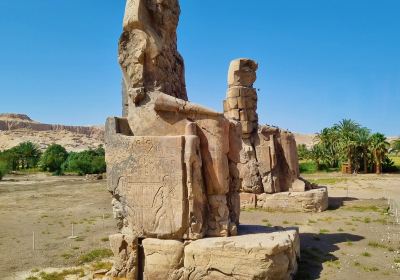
[354, 239]
[48, 206]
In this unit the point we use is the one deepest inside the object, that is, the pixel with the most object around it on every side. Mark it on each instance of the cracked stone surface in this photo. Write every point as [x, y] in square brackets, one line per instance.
[175, 169]
[253, 256]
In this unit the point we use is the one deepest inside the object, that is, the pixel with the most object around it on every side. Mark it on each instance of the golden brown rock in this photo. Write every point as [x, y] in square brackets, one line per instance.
[254, 256]
[125, 249]
[161, 258]
[242, 72]
[268, 161]
[148, 51]
[175, 168]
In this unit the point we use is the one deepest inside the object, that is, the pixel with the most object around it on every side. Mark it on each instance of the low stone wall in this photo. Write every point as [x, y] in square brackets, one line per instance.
[254, 256]
[315, 200]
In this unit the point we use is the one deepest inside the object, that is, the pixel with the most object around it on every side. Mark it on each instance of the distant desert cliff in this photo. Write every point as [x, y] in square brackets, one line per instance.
[18, 128]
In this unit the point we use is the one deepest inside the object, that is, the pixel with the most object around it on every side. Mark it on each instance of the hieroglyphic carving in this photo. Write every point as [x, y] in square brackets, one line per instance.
[151, 182]
[150, 204]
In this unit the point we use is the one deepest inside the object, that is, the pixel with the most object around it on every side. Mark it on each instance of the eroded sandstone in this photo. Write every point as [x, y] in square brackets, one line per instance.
[254, 256]
[315, 200]
[175, 169]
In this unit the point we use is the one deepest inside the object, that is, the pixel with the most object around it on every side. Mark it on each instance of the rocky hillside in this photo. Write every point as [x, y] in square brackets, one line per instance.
[306, 139]
[18, 128]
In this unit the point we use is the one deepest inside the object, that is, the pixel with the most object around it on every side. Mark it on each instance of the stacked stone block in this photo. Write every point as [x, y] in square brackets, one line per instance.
[265, 161]
[241, 98]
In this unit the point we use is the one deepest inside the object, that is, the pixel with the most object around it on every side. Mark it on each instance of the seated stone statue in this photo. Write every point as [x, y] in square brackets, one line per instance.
[174, 168]
[167, 157]
[267, 161]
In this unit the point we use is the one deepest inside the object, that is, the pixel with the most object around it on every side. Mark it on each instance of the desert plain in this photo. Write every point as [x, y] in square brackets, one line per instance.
[355, 238]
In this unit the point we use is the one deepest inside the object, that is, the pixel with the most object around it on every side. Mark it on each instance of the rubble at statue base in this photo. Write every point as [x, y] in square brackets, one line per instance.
[176, 170]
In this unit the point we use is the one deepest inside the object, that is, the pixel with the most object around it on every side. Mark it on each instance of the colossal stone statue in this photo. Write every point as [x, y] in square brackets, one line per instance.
[268, 160]
[175, 169]
[167, 158]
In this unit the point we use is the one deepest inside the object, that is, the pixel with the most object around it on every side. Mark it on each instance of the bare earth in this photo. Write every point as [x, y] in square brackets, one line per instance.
[48, 206]
[356, 240]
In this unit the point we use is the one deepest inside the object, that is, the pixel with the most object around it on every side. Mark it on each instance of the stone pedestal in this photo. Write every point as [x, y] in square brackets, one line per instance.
[253, 256]
[315, 200]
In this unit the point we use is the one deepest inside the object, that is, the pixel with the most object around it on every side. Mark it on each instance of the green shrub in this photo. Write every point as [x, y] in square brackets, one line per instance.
[62, 275]
[388, 165]
[395, 145]
[9, 158]
[24, 156]
[303, 152]
[307, 167]
[53, 159]
[29, 155]
[4, 168]
[32, 278]
[86, 162]
[366, 254]
[396, 161]
[95, 255]
[102, 265]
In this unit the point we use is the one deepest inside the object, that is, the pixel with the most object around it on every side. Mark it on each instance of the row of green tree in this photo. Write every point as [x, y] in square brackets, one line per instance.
[350, 143]
[54, 159]
[395, 147]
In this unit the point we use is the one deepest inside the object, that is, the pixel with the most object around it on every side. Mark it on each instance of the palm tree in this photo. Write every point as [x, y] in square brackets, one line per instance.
[328, 141]
[363, 142]
[347, 130]
[317, 155]
[379, 148]
[29, 154]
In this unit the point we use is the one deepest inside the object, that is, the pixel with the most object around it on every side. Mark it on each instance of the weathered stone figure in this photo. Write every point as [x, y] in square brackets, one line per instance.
[175, 169]
[148, 52]
[153, 76]
[268, 159]
[267, 162]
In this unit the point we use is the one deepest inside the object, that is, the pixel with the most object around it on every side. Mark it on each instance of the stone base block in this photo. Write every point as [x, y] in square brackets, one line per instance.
[254, 256]
[272, 256]
[315, 200]
[161, 258]
[125, 249]
[248, 200]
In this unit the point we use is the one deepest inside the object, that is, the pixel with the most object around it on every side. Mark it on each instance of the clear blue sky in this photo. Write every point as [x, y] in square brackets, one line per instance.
[320, 60]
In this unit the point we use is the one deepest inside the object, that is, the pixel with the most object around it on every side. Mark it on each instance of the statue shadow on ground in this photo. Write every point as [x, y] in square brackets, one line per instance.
[254, 229]
[337, 202]
[316, 249]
